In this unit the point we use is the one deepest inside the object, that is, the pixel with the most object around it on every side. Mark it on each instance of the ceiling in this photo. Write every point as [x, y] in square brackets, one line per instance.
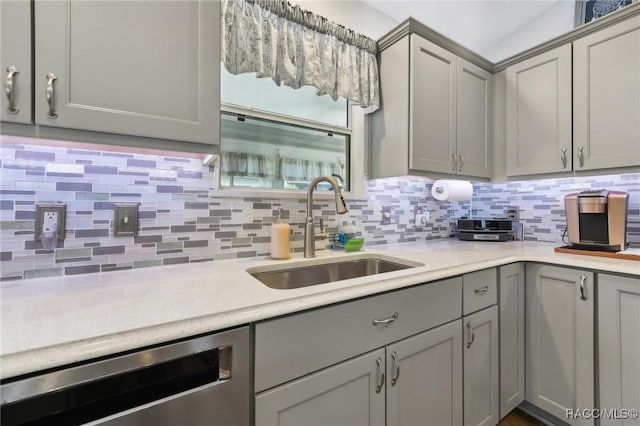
[480, 25]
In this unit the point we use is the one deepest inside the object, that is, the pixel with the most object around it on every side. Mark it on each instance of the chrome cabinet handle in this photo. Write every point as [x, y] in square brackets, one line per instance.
[583, 288]
[563, 158]
[10, 91]
[389, 320]
[380, 375]
[581, 156]
[396, 368]
[50, 95]
[454, 161]
[470, 335]
[481, 290]
[460, 162]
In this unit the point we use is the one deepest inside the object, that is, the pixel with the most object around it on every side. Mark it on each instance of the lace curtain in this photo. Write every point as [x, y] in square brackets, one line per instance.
[254, 165]
[295, 47]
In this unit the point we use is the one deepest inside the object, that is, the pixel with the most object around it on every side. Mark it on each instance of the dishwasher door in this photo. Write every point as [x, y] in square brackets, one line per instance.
[201, 381]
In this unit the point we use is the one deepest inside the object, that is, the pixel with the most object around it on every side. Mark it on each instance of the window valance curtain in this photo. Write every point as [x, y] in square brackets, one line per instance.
[297, 48]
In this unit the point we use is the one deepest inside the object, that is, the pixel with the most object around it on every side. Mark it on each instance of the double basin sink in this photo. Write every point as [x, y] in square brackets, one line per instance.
[305, 275]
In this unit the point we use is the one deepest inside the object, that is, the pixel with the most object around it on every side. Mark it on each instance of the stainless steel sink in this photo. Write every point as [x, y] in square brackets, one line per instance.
[343, 269]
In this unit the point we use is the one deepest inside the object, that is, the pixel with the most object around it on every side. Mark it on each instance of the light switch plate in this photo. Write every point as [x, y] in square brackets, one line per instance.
[125, 220]
[41, 210]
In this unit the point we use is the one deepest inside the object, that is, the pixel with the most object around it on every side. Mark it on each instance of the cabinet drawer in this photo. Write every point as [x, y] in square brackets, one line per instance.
[290, 347]
[480, 289]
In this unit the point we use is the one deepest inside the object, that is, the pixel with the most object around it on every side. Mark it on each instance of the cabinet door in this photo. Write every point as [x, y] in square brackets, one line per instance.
[512, 329]
[619, 344]
[351, 393]
[424, 378]
[16, 60]
[481, 368]
[539, 114]
[606, 127]
[432, 100]
[472, 120]
[560, 333]
[145, 68]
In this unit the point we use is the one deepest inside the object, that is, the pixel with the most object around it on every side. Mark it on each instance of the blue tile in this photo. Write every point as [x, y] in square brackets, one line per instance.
[169, 189]
[35, 155]
[149, 164]
[73, 186]
[101, 170]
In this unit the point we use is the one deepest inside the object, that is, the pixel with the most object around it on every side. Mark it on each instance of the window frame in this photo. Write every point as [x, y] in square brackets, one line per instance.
[355, 161]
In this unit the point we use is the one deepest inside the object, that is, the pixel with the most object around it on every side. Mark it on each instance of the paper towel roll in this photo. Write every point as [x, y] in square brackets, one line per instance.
[452, 190]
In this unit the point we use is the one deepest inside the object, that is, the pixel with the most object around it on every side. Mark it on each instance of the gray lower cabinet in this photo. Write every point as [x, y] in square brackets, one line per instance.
[424, 378]
[481, 365]
[15, 60]
[512, 336]
[619, 346]
[142, 68]
[351, 393]
[560, 340]
[606, 97]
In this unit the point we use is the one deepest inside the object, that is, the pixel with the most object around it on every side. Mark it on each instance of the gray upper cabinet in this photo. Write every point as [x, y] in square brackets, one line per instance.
[143, 68]
[472, 120]
[432, 107]
[606, 90]
[539, 114]
[435, 113]
[619, 345]
[16, 61]
[560, 340]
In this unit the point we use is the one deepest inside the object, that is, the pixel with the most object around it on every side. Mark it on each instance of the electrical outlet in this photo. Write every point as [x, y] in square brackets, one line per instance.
[50, 217]
[386, 216]
[421, 217]
[125, 220]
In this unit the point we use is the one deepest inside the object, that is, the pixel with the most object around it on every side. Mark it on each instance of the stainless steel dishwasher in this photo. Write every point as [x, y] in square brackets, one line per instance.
[201, 381]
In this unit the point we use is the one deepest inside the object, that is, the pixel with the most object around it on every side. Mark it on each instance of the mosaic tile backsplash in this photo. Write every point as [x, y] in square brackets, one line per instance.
[184, 219]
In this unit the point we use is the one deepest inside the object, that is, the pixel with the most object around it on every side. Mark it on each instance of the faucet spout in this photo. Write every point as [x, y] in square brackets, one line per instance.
[309, 230]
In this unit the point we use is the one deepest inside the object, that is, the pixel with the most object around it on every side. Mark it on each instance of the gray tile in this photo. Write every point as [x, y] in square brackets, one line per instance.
[77, 270]
[169, 189]
[190, 175]
[196, 243]
[6, 205]
[223, 234]
[102, 206]
[190, 206]
[147, 263]
[73, 186]
[91, 233]
[219, 212]
[147, 239]
[146, 214]
[128, 173]
[25, 215]
[35, 155]
[108, 250]
[106, 268]
[12, 192]
[242, 254]
[175, 260]
[183, 228]
[6, 256]
[43, 273]
[149, 164]
[101, 170]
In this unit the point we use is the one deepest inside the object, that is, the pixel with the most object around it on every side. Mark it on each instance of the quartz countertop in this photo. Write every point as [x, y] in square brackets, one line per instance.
[48, 322]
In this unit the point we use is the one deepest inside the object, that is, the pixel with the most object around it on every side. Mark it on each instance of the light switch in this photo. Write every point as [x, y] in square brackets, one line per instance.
[125, 220]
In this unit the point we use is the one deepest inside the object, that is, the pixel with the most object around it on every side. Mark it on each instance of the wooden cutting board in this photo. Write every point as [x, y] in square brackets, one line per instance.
[613, 255]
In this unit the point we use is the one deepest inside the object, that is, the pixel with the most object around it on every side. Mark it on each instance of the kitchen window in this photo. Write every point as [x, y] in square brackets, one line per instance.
[275, 137]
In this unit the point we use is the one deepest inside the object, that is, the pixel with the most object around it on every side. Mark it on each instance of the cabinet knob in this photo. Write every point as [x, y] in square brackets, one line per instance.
[454, 161]
[460, 162]
[50, 95]
[563, 158]
[10, 90]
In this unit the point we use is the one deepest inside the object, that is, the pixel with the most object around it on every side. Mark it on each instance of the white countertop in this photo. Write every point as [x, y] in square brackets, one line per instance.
[48, 322]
